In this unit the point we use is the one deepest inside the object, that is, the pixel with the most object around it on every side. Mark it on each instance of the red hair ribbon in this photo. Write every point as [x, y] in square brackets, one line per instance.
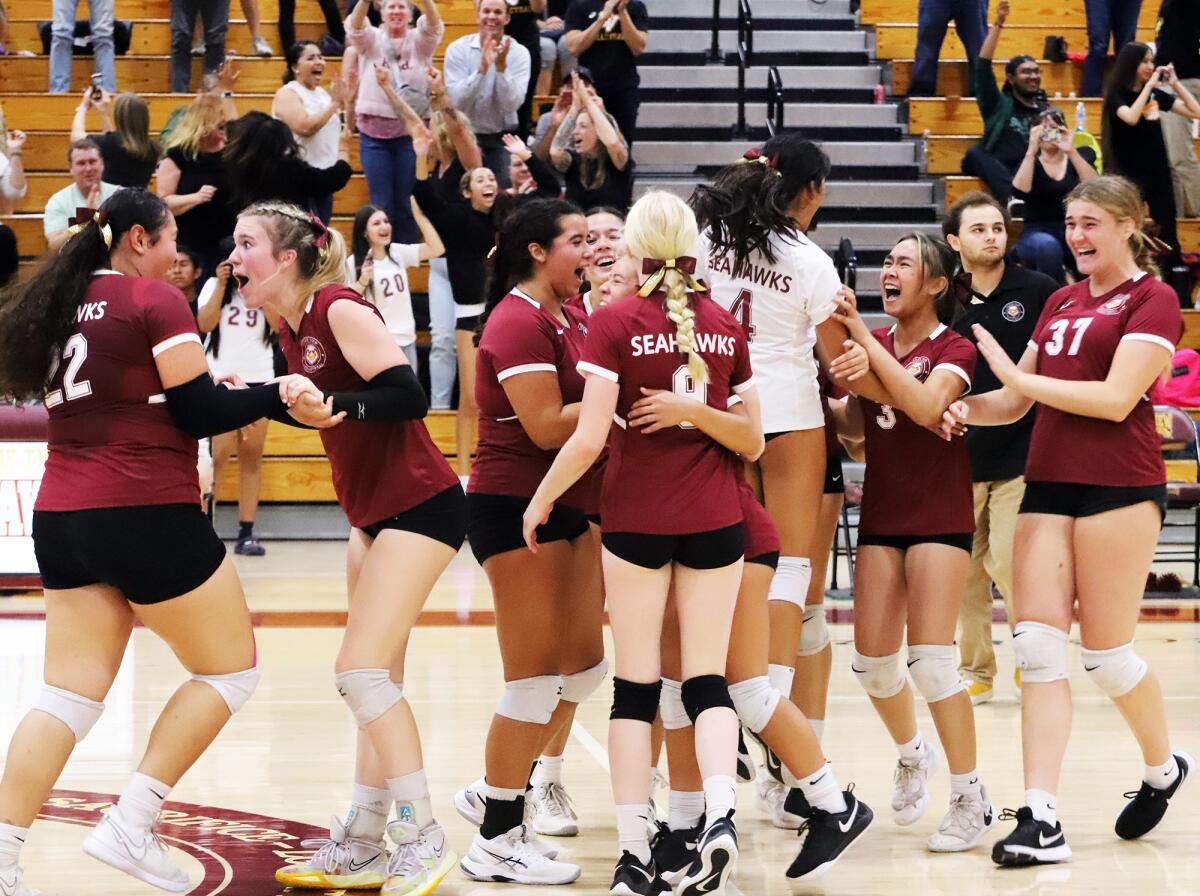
[321, 230]
[85, 214]
[755, 155]
[656, 269]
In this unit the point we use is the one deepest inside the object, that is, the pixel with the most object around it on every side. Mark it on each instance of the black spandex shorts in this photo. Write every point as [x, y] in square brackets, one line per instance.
[1076, 500]
[964, 540]
[470, 324]
[771, 559]
[696, 550]
[494, 524]
[150, 553]
[442, 518]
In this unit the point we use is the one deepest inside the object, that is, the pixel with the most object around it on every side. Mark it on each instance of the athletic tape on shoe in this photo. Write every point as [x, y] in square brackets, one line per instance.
[578, 686]
[368, 692]
[75, 711]
[791, 580]
[670, 705]
[880, 676]
[531, 700]
[934, 670]
[755, 701]
[1116, 671]
[814, 636]
[1041, 652]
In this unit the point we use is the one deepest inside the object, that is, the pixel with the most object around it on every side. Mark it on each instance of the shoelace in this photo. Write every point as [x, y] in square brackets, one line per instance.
[558, 802]
[524, 847]
[406, 858]
[329, 854]
[908, 779]
[963, 813]
[1007, 815]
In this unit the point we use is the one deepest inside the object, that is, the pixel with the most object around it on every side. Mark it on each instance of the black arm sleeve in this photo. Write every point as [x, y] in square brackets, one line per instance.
[201, 408]
[394, 394]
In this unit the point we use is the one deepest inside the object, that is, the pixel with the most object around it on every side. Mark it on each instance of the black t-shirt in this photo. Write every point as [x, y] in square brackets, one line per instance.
[1010, 314]
[1140, 151]
[1044, 201]
[1010, 148]
[1178, 38]
[615, 191]
[120, 167]
[557, 8]
[206, 224]
[612, 64]
[522, 24]
[468, 235]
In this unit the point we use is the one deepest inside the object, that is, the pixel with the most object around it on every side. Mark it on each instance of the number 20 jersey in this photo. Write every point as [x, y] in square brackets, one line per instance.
[677, 480]
[778, 305]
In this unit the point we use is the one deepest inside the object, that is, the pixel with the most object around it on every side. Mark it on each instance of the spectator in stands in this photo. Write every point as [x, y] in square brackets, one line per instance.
[215, 15]
[101, 14]
[185, 273]
[1008, 114]
[1051, 169]
[10, 260]
[1105, 18]
[263, 162]
[933, 17]
[554, 51]
[287, 22]
[527, 174]
[607, 36]
[487, 75]
[592, 154]
[312, 113]
[13, 184]
[547, 126]
[259, 46]
[130, 154]
[1133, 136]
[523, 19]
[87, 189]
[385, 146]
[1178, 44]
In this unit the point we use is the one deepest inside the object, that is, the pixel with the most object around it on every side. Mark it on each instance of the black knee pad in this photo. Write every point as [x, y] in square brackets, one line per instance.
[705, 692]
[634, 700]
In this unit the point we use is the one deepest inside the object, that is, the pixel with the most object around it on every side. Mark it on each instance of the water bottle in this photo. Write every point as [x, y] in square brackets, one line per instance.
[1080, 118]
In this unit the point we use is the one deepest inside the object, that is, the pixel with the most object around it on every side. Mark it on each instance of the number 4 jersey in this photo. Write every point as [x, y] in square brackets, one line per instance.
[112, 440]
[677, 480]
[1076, 339]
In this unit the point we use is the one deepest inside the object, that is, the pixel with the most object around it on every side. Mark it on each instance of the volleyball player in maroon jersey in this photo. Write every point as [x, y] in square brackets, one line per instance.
[118, 532]
[915, 536]
[408, 518]
[1087, 530]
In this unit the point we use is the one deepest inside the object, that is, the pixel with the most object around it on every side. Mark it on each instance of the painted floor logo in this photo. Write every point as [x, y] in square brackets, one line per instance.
[239, 852]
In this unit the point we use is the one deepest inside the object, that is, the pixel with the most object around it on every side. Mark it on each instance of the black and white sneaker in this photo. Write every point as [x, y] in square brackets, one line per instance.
[829, 836]
[632, 878]
[1032, 843]
[796, 803]
[716, 856]
[745, 762]
[674, 851]
[1147, 805]
[771, 762]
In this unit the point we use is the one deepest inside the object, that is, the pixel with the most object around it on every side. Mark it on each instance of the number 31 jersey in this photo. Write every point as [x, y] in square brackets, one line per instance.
[779, 306]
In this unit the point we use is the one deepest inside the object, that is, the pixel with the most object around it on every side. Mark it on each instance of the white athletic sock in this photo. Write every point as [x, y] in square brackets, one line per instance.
[684, 808]
[1160, 777]
[12, 838]
[967, 783]
[781, 678]
[818, 727]
[720, 796]
[411, 793]
[914, 750]
[369, 808]
[503, 794]
[822, 790]
[142, 800]
[632, 832]
[548, 770]
[1043, 804]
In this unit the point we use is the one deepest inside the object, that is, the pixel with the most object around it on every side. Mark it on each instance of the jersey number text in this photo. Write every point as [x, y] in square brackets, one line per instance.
[683, 383]
[1058, 331]
[76, 350]
[743, 309]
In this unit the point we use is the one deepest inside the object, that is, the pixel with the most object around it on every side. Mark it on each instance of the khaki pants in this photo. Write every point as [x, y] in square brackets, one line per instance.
[1185, 169]
[996, 505]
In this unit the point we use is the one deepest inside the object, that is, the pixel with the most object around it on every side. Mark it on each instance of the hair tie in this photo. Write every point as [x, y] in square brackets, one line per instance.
[86, 215]
[657, 269]
[320, 229]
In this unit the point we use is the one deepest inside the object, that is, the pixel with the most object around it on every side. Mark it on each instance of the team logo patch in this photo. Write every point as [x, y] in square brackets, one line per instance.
[1013, 312]
[920, 367]
[312, 354]
[1114, 305]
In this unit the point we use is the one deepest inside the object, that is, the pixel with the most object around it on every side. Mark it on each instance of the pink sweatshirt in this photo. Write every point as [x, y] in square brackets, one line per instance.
[413, 52]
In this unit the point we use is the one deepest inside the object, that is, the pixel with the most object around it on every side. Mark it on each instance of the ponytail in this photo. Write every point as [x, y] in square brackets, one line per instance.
[684, 317]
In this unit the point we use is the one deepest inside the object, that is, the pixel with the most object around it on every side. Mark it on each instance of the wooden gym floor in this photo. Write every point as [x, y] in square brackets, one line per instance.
[285, 762]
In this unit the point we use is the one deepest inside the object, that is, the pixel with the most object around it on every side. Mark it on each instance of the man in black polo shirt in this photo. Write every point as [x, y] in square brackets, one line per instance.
[1007, 301]
[607, 36]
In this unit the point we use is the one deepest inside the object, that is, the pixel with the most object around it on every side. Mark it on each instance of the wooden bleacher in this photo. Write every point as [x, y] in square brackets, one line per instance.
[1024, 12]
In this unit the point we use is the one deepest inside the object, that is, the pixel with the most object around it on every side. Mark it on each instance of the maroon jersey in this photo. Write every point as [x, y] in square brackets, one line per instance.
[379, 469]
[1076, 339]
[916, 482]
[521, 337]
[678, 480]
[761, 536]
[112, 442]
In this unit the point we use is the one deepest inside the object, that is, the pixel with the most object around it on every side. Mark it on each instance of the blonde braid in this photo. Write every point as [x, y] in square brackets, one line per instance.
[681, 314]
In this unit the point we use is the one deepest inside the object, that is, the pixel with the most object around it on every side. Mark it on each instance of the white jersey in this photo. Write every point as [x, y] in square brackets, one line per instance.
[779, 305]
[389, 290]
[241, 348]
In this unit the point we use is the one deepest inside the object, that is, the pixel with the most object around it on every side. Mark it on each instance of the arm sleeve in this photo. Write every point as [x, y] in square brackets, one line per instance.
[987, 93]
[201, 408]
[1155, 318]
[428, 38]
[640, 16]
[6, 188]
[601, 351]
[440, 213]
[362, 39]
[56, 214]
[1165, 100]
[393, 394]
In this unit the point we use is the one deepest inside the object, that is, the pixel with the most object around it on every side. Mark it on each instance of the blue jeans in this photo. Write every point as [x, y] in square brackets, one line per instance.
[933, 17]
[215, 15]
[62, 30]
[443, 356]
[1117, 18]
[1042, 247]
[391, 169]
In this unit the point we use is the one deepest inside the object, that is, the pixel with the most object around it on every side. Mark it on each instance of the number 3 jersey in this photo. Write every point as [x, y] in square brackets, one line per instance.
[779, 306]
[1076, 339]
[916, 482]
[112, 442]
[676, 480]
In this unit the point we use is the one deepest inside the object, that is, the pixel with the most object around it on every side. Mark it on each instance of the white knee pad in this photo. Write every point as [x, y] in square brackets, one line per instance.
[670, 706]
[368, 692]
[1041, 652]
[531, 699]
[235, 688]
[1116, 671]
[791, 580]
[755, 700]
[880, 676]
[578, 686]
[814, 637]
[74, 710]
[934, 670]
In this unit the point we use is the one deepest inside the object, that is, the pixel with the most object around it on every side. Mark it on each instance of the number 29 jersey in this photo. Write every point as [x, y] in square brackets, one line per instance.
[779, 306]
[677, 480]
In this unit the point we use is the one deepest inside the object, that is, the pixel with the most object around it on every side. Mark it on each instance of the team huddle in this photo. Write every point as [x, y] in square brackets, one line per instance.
[666, 446]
